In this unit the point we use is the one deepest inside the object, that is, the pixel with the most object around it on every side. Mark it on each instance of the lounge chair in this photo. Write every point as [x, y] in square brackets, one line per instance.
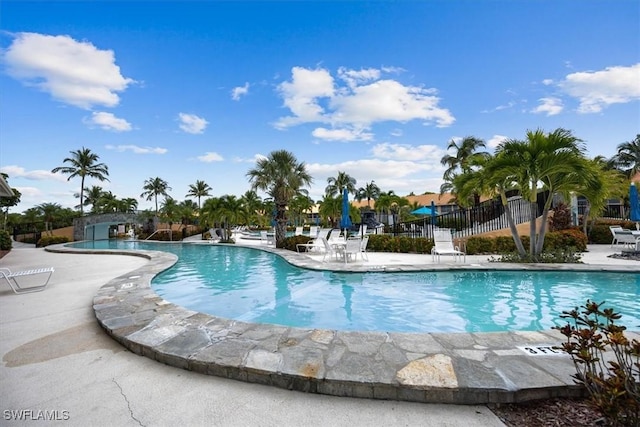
[443, 245]
[12, 279]
[313, 231]
[614, 229]
[336, 236]
[315, 244]
[298, 231]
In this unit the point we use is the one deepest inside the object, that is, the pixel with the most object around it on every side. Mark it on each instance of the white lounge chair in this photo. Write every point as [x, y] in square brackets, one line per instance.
[298, 231]
[313, 231]
[12, 279]
[627, 238]
[443, 245]
[614, 229]
[316, 243]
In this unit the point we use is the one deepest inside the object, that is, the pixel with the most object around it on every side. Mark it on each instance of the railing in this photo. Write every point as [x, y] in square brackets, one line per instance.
[158, 231]
[487, 216]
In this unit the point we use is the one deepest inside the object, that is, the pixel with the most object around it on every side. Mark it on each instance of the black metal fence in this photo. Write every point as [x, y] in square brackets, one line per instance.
[487, 216]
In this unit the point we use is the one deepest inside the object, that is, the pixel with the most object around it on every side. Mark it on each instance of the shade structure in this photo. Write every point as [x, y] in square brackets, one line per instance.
[634, 202]
[345, 220]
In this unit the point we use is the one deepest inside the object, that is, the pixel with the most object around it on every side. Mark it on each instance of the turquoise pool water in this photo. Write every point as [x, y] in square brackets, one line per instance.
[255, 286]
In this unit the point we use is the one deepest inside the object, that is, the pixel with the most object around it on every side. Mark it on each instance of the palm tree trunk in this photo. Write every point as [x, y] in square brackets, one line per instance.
[533, 211]
[512, 225]
[543, 226]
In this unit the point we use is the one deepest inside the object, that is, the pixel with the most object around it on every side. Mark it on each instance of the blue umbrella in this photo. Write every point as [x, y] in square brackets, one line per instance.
[345, 221]
[634, 203]
[422, 211]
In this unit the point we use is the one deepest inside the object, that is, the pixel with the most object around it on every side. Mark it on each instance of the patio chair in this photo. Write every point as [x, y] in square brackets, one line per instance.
[12, 279]
[336, 235]
[614, 229]
[626, 237]
[315, 244]
[298, 231]
[352, 247]
[330, 250]
[443, 245]
[363, 248]
[313, 231]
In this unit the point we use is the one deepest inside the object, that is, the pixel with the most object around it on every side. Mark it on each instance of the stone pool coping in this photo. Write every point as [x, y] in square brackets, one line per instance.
[458, 368]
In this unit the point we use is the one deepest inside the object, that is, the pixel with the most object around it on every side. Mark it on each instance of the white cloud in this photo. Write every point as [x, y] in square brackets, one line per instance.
[72, 72]
[430, 153]
[549, 105]
[342, 134]
[547, 82]
[496, 140]
[252, 160]
[136, 149]
[396, 132]
[108, 121]
[191, 123]
[37, 175]
[313, 96]
[597, 90]
[239, 91]
[210, 157]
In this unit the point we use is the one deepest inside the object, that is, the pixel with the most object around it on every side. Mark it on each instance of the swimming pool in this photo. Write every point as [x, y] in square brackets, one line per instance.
[256, 286]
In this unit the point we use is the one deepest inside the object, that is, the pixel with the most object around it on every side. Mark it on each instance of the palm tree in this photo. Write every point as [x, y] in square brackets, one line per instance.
[229, 210]
[339, 183]
[628, 157]
[300, 204]
[50, 213]
[199, 189]
[128, 205]
[170, 211]
[330, 208]
[83, 164]
[461, 162]
[370, 192]
[154, 187]
[92, 196]
[253, 206]
[282, 177]
[554, 162]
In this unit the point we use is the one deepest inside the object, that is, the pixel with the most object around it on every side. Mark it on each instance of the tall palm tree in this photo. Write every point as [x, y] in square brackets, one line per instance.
[83, 163]
[154, 187]
[370, 192]
[339, 183]
[282, 177]
[199, 189]
[628, 157]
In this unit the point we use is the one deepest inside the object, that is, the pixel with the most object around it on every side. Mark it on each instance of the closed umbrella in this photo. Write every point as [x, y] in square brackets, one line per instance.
[634, 215]
[345, 221]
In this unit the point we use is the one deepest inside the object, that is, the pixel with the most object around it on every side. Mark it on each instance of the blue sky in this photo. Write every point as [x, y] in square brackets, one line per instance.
[198, 90]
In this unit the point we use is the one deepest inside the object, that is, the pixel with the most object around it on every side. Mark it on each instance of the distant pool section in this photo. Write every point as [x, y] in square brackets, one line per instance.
[251, 285]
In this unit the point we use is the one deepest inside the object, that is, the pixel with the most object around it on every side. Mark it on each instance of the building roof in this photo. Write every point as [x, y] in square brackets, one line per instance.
[5, 190]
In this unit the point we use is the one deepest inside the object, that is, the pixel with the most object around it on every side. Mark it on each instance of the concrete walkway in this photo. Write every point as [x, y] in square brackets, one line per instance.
[57, 362]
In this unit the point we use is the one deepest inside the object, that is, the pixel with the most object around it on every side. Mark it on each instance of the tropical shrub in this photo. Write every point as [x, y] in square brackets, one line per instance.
[291, 242]
[561, 218]
[480, 245]
[51, 240]
[613, 383]
[569, 238]
[5, 240]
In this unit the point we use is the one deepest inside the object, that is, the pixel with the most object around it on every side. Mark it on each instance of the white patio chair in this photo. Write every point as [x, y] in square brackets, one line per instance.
[614, 229]
[12, 279]
[352, 247]
[443, 245]
[330, 250]
[363, 248]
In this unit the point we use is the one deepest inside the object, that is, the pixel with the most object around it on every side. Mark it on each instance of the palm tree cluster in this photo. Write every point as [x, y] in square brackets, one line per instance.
[553, 162]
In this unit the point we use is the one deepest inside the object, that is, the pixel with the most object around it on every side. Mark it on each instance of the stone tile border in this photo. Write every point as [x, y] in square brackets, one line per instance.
[457, 368]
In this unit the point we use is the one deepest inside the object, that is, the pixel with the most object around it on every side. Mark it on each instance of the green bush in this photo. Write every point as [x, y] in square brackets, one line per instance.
[569, 238]
[476, 245]
[613, 385]
[5, 240]
[51, 240]
[291, 242]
